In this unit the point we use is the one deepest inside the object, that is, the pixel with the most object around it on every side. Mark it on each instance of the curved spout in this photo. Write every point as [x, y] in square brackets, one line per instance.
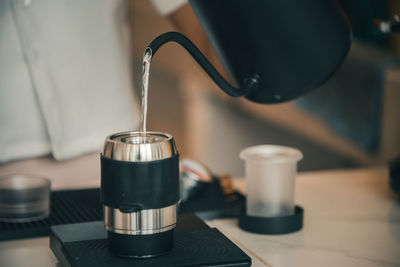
[250, 83]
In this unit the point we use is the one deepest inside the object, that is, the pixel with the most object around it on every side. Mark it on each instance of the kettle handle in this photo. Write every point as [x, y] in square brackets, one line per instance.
[250, 83]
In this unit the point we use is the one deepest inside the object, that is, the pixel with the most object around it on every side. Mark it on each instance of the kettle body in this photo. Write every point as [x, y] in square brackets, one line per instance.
[293, 46]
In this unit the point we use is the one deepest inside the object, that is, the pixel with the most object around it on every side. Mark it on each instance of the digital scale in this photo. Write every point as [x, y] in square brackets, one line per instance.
[196, 244]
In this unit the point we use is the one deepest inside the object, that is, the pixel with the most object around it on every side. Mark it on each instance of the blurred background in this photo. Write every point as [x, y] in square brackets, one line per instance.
[352, 120]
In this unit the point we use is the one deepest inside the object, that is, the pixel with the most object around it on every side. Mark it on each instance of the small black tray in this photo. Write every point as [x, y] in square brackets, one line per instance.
[212, 203]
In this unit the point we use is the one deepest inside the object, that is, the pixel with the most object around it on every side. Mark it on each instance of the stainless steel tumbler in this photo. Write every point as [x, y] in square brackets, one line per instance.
[140, 192]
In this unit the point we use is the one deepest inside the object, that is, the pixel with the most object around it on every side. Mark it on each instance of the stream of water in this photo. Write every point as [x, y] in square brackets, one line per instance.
[145, 85]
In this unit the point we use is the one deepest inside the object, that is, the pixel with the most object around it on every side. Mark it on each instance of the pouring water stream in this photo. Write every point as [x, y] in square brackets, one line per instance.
[145, 85]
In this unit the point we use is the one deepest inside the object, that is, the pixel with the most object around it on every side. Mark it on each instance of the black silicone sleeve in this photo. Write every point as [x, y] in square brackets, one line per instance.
[132, 186]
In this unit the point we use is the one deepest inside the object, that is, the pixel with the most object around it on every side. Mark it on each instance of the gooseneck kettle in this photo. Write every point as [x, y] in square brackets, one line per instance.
[274, 51]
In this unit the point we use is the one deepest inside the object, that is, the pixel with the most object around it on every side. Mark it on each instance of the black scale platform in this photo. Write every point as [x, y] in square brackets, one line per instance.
[196, 244]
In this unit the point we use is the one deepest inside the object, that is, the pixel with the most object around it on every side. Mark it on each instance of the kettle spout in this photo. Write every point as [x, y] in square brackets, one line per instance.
[250, 84]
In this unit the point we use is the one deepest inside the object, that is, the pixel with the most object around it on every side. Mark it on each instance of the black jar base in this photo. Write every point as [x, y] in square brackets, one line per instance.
[272, 225]
[141, 246]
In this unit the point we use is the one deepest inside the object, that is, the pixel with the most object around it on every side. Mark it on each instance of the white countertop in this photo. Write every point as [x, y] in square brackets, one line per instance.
[351, 219]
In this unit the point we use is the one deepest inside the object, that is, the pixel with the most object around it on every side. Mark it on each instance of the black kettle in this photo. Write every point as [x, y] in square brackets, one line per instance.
[274, 50]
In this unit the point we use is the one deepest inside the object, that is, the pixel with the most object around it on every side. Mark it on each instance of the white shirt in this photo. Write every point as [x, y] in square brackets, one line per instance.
[65, 81]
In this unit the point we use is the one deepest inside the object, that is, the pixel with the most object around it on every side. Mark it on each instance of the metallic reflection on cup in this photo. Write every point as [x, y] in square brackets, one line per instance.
[194, 178]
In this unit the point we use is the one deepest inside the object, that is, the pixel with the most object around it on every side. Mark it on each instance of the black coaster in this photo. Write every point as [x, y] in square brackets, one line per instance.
[196, 244]
[272, 225]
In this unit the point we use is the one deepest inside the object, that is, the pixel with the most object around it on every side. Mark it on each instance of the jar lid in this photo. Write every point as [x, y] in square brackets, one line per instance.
[139, 146]
[270, 154]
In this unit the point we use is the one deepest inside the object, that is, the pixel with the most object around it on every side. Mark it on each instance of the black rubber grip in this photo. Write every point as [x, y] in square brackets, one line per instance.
[141, 245]
[132, 186]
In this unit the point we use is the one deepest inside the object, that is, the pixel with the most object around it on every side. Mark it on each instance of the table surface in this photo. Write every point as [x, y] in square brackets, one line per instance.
[351, 219]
